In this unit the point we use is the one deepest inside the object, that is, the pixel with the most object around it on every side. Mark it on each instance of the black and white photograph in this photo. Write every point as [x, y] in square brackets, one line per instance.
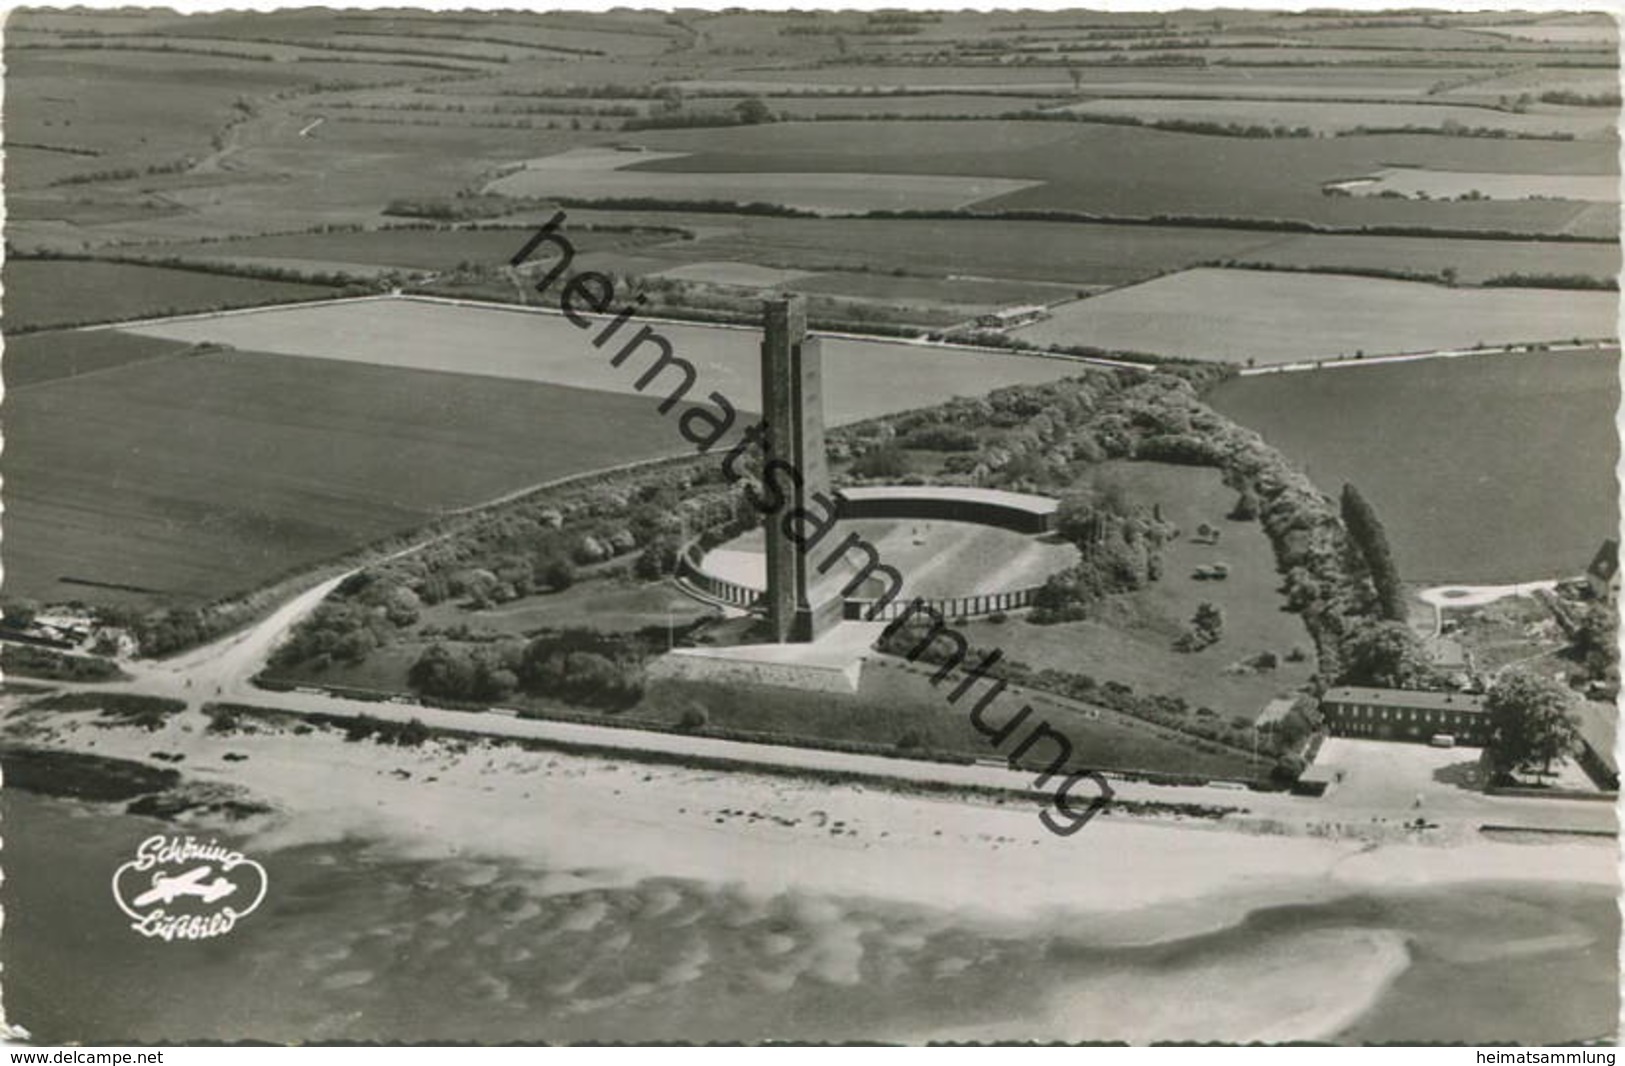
[885, 525]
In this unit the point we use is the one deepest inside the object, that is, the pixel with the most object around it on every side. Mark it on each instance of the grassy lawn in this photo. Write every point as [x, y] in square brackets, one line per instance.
[898, 704]
[42, 293]
[1132, 640]
[1433, 446]
[197, 477]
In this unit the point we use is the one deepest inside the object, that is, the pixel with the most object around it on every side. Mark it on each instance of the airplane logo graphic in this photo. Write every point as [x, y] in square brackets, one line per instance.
[168, 889]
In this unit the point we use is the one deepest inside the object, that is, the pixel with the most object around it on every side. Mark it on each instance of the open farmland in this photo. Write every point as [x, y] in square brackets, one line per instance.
[1070, 254]
[195, 477]
[610, 174]
[1118, 171]
[34, 358]
[862, 379]
[1271, 317]
[1422, 183]
[1485, 469]
[403, 247]
[1473, 262]
[41, 293]
[1337, 117]
[1131, 642]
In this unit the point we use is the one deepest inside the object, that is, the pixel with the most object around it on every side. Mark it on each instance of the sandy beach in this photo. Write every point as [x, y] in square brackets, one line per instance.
[1125, 880]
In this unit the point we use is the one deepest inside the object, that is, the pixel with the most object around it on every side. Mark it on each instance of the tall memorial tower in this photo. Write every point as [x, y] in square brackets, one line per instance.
[793, 407]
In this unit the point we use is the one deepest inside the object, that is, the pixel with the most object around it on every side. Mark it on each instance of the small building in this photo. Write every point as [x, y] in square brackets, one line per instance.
[1603, 573]
[1397, 714]
[1010, 317]
[1316, 780]
[1274, 711]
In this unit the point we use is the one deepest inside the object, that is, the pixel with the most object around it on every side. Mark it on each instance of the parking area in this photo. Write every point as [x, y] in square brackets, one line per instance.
[1390, 775]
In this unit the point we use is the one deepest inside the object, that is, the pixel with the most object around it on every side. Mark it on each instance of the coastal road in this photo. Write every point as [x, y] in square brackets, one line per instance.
[223, 671]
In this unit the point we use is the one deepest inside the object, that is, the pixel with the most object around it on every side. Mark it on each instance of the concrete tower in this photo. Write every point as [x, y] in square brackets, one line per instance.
[793, 407]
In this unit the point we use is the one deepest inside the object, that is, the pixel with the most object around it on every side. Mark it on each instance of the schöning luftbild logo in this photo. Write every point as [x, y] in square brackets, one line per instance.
[177, 888]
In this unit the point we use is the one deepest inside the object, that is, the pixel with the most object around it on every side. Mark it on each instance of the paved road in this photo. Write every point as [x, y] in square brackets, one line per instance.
[224, 671]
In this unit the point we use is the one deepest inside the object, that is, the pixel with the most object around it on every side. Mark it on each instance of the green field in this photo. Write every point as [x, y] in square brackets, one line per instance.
[1150, 172]
[1484, 469]
[1335, 117]
[1131, 642]
[409, 248]
[1272, 317]
[194, 477]
[38, 358]
[1473, 261]
[1017, 251]
[47, 292]
[862, 378]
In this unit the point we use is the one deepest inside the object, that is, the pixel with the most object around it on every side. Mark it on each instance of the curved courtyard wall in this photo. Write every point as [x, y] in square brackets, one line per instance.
[1017, 512]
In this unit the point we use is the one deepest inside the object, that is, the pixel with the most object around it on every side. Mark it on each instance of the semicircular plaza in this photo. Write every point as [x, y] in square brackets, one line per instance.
[964, 551]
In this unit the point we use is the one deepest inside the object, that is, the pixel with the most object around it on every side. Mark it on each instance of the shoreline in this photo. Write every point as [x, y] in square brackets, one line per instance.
[1180, 902]
[1127, 880]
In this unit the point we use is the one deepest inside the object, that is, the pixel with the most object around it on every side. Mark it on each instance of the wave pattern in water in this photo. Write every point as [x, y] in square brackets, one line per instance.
[358, 944]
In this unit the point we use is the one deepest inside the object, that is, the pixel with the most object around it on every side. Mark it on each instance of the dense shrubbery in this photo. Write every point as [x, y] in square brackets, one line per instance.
[26, 661]
[576, 666]
[1551, 281]
[1370, 540]
[148, 712]
[1569, 98]
[1033, 435]
[537, 545]
[1120, 549]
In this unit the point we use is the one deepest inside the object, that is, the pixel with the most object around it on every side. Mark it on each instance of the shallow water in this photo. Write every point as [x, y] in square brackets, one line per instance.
[355, 943]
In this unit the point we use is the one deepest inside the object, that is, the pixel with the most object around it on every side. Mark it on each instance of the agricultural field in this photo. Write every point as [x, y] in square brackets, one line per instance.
[1424, 183]
[191, 476]
[1132, 640]
[1474, 262]
[1248, 316]
[42, 293]
[1166, 173]
[612, 174]
[1338, 117]
[1485, 469]
[37, 358]
[862, 378]
[399, 246]
[165, 136]
[1070, 254]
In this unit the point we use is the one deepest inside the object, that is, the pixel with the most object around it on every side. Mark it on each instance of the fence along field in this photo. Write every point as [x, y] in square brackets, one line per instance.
[1438, 447]
[1272, 317]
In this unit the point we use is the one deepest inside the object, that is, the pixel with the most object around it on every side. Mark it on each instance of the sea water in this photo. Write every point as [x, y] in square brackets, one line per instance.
[355, 942]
